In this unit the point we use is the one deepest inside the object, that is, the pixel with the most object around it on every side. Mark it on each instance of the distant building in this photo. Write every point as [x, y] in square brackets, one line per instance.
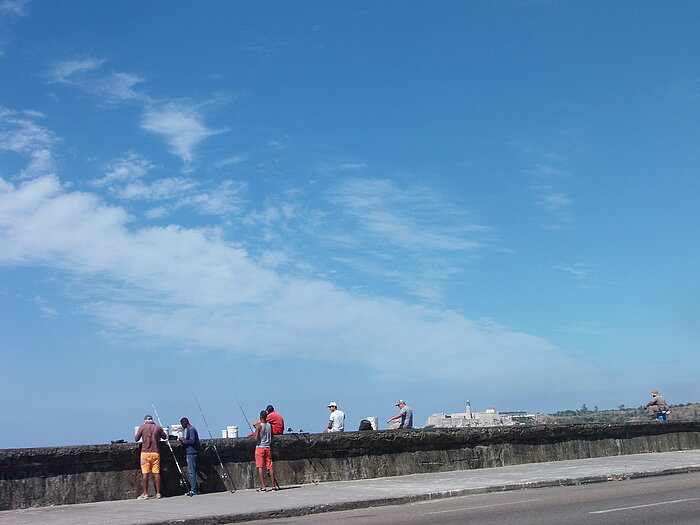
[490, 418]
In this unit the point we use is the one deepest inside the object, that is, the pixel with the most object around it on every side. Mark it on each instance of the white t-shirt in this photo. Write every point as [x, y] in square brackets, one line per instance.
[338, 420]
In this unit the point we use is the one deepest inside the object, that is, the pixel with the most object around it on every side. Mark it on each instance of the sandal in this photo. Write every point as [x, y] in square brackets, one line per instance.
[261, 490]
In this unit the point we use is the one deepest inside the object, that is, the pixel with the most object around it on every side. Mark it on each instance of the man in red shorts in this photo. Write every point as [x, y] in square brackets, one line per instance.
[150, 434]
[263, 454]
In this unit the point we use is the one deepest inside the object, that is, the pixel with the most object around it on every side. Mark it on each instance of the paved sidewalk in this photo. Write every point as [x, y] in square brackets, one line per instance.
[297, 500]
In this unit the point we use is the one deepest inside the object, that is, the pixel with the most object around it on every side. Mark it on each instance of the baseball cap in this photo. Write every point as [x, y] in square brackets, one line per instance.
[332, 404]
[148, 417]
[400, 402]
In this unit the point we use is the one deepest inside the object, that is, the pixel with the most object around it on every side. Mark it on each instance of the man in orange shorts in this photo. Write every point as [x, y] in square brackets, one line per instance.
[150, 434]
[263, 454]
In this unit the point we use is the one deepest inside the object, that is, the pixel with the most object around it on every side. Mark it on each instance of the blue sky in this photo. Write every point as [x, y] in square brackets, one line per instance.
[353, 202]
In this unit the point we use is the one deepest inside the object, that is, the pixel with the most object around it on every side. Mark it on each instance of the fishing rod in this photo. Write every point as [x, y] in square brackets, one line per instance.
[243, 412]
[296, 435]
[183, 480]
[251, 429]
[224, 471]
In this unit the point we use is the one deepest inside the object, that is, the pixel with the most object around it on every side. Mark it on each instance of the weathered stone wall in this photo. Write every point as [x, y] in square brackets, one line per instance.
[63, 475]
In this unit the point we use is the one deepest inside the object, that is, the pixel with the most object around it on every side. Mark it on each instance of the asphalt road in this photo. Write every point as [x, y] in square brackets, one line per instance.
[659, 500]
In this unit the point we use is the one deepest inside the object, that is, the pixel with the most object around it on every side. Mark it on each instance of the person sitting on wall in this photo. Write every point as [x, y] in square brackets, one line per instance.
[405, 415]
[365, 424]
[657, 406]
[336, 422]
[275, 419]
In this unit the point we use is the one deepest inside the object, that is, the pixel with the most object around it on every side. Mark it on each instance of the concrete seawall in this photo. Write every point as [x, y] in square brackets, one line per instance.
[63, 475]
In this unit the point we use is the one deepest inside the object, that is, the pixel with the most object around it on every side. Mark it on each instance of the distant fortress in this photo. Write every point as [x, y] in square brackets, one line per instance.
[490, 418]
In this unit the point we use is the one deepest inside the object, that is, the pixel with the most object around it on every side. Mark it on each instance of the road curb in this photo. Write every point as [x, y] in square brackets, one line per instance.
[306, 510]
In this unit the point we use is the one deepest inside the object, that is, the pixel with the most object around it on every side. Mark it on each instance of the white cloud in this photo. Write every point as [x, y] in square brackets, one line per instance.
[34, 114]
[119, 86]
[236, 159]
[582, 273]
[83, 73]
[413, 218]
[72, 71]
[127, 168]
[168, 188]
[548, 179]
[586, 328]
[41, 223]
[20, 134]
[157, 212]
[180, 126]
[331, 167]
[223, 199]
[352, 166]
[45, 309]
[42, 162]
[124, 179]
[555, 201]
[13, 7]
[192, 288]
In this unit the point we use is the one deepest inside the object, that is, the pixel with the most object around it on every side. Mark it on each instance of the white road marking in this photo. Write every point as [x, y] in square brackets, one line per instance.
[642, 506]
[483, 506]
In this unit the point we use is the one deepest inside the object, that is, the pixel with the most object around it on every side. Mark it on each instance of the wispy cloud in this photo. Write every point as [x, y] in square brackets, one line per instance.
[547, 188]
[549, 180]
[413, 218]
[193, 288]
[85, 73]
[71, 71]
[332, 167]
[128, 168]
[124, 178]
[44, 307]
[417, 232]
[221, 199]
[224, 199]
[160, 189]
[586, 328]
[181, 126]
[582, 273]
[13, 7]
[20, 134]
[42, 162]
[10, 11]
[230, 161]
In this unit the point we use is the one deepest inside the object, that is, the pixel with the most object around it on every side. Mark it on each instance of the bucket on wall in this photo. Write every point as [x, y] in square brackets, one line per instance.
[374, 421]
[224, 433]
[232, 431]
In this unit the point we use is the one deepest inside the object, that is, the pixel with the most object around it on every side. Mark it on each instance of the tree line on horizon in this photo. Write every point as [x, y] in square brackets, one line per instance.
[621, 414]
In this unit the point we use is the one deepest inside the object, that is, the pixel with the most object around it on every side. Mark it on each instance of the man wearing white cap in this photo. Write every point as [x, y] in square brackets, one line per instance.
[337, 419]
[406, 415]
